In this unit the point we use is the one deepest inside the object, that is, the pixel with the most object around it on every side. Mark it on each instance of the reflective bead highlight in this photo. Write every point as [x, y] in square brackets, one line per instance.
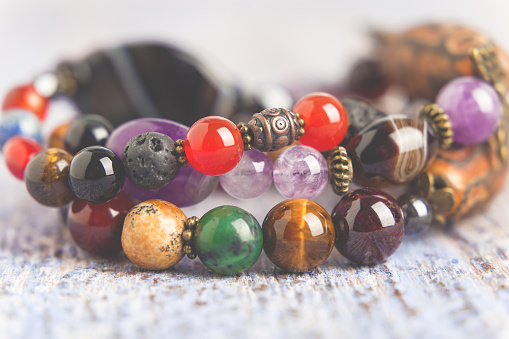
[89, 130]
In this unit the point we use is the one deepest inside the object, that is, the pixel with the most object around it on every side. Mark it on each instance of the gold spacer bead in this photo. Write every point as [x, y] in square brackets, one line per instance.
[440, 122]
[187, 235]
[301, 123]
[191, 222]
[191, 256]
[340, 169]
[301, 131]
[188, 249]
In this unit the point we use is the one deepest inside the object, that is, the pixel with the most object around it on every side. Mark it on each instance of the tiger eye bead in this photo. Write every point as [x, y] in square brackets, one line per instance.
[274, 129]
[298, 235]
[56, 138]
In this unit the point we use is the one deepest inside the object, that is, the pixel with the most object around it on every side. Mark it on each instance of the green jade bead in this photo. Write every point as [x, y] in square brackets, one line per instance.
[228, 240]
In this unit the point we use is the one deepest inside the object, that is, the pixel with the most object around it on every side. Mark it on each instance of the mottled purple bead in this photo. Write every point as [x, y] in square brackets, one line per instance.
[369, 226]
[189, 187]
[300, 172]
[474, 109]
[250, 178]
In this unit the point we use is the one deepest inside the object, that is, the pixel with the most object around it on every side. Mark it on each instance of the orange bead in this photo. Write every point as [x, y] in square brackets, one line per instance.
[26, 97]
[18, 151]
[56, 140]
[325, 118]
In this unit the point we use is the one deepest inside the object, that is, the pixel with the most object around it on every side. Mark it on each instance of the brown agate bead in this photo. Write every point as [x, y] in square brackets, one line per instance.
[47, 177]
[392, 150]
[274, 129]
[298, 235]
[56, 138]
[152, 234]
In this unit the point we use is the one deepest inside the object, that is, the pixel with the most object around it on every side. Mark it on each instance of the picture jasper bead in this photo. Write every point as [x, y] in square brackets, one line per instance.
[152, 234]
[298, 235]
[228, 240]
[149, 161]
[369, 226]
[273, 129]
[47, 177]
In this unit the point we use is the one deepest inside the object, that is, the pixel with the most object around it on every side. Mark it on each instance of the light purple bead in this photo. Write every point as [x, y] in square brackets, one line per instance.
[189, 187]
[300, 172]
[474, 109]
[250, 178]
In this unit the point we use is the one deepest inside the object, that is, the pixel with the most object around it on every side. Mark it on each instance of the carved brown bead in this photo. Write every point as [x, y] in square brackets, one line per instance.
[274, 129]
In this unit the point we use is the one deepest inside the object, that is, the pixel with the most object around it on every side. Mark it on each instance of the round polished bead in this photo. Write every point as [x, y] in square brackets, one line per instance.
[47, 177]
[97, 228]
[213, 145]
[26, 97]
[228, 240]
[96, 174]
[300, 171]
[369, 226]
[19, 122]
[474, 109]
[17, 152]
[360, 114]
[188, 188]
[89, 130]
[152, 234]
[56, 138]
[326, 121]
[417, 214]
[149, 161]
[250, 178]
[298, 235]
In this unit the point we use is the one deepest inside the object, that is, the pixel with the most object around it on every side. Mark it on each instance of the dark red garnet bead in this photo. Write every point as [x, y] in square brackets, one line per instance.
[26, 97]
[369, 226]
[97, 228]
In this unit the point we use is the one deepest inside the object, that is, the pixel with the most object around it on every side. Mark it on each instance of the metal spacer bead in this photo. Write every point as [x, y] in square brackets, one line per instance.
[180, 153]
[247, 135]
[340, 169]
[191, 223]
[300, 125]
[440, 122]
[188, 236]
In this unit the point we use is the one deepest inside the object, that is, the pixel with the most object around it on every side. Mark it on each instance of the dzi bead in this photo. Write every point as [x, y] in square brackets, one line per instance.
[89, 130]
[26, 97]
[360, 115]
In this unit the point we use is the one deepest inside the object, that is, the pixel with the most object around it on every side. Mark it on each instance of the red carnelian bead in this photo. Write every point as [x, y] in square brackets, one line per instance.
[326, 121]
[17, 152]
[213, 145]
[97, 228]
[27, 98]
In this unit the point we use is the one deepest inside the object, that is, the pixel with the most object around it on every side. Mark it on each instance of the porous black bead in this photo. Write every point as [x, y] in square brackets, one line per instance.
[89, 130]
[96, 174]
[417, 214]
[149, 161]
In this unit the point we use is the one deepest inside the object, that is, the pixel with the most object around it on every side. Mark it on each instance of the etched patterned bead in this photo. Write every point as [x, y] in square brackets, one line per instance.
[274, 129]
[392, 150]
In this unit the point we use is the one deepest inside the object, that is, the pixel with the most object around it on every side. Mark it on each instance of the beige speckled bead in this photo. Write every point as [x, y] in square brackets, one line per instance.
[152, 234]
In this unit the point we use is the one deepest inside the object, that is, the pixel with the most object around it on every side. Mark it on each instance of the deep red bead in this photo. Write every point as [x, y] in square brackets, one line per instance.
[369, 226]
[325, 118]
[213, 145]
[17, 152]
[97, 228]
[27, 98]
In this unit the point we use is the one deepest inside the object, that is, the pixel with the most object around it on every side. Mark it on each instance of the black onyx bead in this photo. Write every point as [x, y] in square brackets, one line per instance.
[89, 130]
[149, 162]
[417, 214]
[96, 174]
[360, 114]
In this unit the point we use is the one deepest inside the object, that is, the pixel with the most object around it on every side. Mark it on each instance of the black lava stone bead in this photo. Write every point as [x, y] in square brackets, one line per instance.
[417, 214]
[96, 174]
[89, 130]
[149, 161]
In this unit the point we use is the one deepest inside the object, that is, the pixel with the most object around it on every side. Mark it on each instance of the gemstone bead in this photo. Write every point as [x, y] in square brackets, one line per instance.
[96, 174]
[56, 138]
[97, 228]
[47, 177]
[392, 150]
[89, 130]
[474, 109]
[300, 171]
[250, 178]
[326, 120]
[188, 188]
[152, 234]
[369, 226]
[298, 235]
[213, 145]
[228, 240]
[26, 97]
[149, 161]
[360, 115]
[416, 213]
[17, 152]
[19, 122]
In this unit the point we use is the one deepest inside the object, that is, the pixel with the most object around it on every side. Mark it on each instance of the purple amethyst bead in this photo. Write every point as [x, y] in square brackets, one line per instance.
[250, 178]
[474, 109]
[189, 187]
[300, 172]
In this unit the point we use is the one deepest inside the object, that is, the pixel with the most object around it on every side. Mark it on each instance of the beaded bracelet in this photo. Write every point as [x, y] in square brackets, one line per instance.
[367, 225]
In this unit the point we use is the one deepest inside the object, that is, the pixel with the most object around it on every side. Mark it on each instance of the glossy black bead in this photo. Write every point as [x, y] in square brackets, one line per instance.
[360, 114]
[149, 161]
[89, 130]
[96, 174]
[417, 214]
